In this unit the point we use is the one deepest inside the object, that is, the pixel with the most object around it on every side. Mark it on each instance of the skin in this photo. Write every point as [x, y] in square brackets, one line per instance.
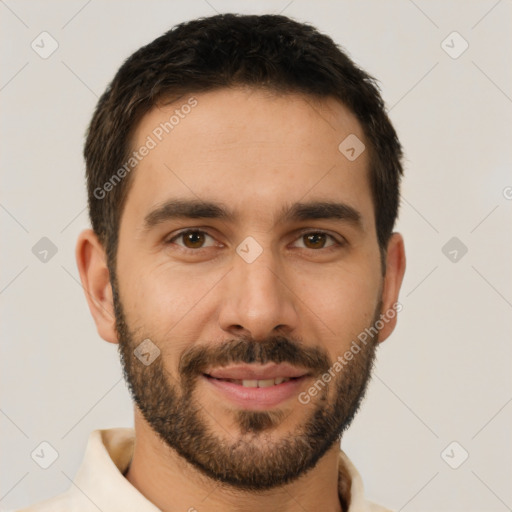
[256, 152]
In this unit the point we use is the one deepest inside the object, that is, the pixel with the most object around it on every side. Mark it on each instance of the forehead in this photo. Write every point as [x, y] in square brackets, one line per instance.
[251, 148]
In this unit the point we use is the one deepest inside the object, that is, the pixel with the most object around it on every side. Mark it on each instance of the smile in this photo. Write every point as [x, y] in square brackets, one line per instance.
[256, 387]
[263, 383]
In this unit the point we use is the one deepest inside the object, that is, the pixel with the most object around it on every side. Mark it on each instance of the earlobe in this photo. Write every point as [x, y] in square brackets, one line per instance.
[395, 269]
[94, 274]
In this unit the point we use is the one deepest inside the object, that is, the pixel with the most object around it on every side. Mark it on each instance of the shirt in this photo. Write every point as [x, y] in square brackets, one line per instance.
[100, 485]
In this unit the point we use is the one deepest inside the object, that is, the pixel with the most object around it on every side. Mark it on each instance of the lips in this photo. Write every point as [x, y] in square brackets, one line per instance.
[256, 383]
[256, 372]
[256, 393]
[256, 375]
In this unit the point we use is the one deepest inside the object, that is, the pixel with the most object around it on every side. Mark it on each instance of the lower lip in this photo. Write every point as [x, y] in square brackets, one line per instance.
[257, 398]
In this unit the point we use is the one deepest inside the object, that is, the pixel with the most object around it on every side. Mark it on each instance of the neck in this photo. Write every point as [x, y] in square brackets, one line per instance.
[172, 484]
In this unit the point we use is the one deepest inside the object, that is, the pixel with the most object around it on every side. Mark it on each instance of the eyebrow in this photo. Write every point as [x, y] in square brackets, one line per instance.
[199, 209]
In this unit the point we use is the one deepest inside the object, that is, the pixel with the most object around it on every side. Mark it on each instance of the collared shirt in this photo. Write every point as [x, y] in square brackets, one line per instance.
[100, 483]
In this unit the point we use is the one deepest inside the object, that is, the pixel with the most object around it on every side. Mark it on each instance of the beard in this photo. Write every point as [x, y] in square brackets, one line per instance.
[253, 460]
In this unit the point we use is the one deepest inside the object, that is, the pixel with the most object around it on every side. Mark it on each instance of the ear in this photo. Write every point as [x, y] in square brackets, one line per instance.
[395, 269]
[92, 265]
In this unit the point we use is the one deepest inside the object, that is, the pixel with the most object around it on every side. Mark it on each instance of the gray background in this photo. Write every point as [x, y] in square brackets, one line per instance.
[444, 375]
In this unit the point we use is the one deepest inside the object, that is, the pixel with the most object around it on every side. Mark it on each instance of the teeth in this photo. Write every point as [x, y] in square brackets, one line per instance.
[264, 383]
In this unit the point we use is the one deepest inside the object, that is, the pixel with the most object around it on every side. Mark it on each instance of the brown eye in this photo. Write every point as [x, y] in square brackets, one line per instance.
[315, 240]
[191, 239]
[320, 241]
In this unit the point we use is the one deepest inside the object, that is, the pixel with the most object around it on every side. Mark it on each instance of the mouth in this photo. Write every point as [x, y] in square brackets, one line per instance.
[255, 387]
[255, 383]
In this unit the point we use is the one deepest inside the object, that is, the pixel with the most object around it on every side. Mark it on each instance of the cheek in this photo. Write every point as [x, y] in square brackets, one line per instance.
[344, 302]
[163, 300]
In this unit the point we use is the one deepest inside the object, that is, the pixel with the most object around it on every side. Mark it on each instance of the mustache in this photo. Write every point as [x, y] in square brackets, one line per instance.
[276, 349]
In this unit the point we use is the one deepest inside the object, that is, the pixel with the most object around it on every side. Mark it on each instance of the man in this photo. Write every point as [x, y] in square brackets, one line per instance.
[243, 183]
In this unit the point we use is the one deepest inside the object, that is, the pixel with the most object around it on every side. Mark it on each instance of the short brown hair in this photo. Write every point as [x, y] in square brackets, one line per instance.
[226, 50]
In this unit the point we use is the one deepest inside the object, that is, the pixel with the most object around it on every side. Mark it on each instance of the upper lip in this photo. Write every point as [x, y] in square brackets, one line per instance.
[256, 372]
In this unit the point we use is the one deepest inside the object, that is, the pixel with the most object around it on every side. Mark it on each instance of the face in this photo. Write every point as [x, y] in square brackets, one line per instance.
[248, 256]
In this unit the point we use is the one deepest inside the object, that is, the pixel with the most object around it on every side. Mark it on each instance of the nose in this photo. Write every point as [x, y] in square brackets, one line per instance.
[258, 300]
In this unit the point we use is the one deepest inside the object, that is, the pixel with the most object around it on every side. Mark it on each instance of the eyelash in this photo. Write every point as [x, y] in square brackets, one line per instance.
[337, 243]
